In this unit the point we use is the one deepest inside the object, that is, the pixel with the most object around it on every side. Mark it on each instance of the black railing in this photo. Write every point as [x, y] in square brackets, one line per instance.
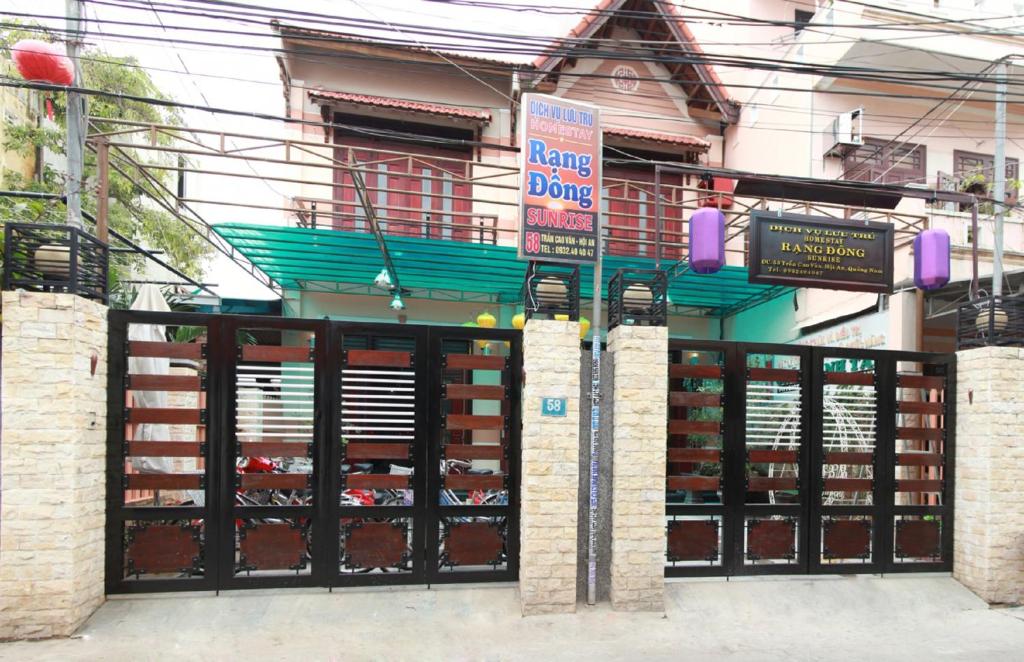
[992, 321]
[552, 289]
[55, 258]
[638, 297]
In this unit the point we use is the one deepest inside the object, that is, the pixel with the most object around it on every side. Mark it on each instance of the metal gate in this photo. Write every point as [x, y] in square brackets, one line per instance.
[264, 452]
[792, 459]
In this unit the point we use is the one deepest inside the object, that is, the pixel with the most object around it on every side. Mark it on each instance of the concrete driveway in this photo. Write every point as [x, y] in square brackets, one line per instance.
[824, 618]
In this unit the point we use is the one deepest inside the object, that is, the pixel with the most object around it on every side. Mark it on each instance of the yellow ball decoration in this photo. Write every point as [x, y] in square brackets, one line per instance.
[486, 321]
[562, 318]
[584, 327]
[519, 321]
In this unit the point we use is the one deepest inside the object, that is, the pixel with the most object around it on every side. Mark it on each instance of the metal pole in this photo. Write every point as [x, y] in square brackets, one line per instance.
[657, 216]
[974, 250]
[102, 188]
[1000, 179]
[595, 426]
[75, 147]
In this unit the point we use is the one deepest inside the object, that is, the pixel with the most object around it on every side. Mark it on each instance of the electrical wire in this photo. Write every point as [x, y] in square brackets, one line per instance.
[815, 72]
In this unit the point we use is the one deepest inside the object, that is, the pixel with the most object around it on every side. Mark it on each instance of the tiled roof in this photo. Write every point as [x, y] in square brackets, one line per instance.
[653, 136]
[296, 32]
[403, 104]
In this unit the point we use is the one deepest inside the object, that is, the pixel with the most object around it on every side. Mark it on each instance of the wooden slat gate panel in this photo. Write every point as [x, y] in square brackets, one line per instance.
[788, 459]
[254, 452]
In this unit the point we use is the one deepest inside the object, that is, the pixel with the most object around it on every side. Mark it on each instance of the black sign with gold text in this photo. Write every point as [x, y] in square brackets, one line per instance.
[819, 252]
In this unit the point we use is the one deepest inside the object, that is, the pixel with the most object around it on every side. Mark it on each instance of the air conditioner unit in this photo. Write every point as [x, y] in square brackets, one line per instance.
[845, 133]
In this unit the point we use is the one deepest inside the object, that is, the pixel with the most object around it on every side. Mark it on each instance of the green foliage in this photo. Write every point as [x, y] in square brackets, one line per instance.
[132, 211]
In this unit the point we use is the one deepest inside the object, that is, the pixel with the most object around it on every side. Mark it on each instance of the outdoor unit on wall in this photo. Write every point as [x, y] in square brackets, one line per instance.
[845, 134]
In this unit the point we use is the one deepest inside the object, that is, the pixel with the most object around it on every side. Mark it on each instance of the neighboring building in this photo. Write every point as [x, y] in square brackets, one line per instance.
[17, 106]
[437, 137]
[889, 131]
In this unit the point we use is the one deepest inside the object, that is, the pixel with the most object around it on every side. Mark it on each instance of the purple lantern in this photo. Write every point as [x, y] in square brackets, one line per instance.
[931, 259]
[707, 240]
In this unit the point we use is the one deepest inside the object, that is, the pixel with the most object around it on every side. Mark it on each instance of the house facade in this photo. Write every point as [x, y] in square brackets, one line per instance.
[434, 137]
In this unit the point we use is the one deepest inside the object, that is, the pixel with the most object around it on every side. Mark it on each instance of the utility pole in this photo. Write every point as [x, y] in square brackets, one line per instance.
[75, 118]
[999, 166]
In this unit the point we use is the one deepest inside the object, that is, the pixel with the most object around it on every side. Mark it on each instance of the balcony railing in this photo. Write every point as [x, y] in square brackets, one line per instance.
[992, 321]
[54, 258]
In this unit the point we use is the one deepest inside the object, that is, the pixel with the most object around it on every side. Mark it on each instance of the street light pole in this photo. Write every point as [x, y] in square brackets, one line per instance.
[75, 119]
[999, 175]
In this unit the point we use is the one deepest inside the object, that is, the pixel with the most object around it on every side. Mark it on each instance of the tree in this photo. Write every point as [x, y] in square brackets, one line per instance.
[132, 211]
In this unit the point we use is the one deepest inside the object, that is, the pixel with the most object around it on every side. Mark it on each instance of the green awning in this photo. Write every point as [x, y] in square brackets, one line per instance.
[347, 262]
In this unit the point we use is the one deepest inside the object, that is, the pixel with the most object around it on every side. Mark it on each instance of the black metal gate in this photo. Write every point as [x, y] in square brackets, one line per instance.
[791, 459]
[262, 452]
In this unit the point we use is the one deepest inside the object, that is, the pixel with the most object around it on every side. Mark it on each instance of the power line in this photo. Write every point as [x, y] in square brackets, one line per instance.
[865, 73]
[817, 71]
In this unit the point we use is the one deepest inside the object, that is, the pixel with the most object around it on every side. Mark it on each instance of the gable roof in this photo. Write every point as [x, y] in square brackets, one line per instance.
[700, 82]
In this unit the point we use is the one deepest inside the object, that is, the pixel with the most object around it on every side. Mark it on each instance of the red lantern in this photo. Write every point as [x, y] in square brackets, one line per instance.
[38, 60]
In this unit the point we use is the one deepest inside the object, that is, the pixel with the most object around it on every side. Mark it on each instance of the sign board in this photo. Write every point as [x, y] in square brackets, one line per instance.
[869, 331]
[553, 406]
[560, 172]
[819, 252]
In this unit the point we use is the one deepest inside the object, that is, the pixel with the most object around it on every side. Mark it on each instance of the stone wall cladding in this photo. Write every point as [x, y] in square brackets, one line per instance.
[52, 458]
[988, 550]
[550, 468]
[640, 410]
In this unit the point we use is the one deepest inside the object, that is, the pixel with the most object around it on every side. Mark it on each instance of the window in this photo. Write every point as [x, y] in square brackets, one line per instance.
[885, 162]
[417, 188]
[801, 18]
[966, 164]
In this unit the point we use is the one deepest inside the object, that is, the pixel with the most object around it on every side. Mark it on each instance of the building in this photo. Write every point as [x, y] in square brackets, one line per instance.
[437, 136]
[19, 106]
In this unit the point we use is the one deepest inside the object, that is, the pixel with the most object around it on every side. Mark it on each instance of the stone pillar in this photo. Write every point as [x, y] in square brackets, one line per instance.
[52, 463]
[640, 410]
[550, 468]
[988, 550]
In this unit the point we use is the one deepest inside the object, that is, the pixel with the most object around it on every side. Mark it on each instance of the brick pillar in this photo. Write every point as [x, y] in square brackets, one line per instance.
[52, 457]
[550, 468]
[988, 550]
[639, 414]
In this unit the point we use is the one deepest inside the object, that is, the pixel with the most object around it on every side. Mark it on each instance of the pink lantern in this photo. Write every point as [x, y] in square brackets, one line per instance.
[931, 259]
[38, 60]
[707, 240]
